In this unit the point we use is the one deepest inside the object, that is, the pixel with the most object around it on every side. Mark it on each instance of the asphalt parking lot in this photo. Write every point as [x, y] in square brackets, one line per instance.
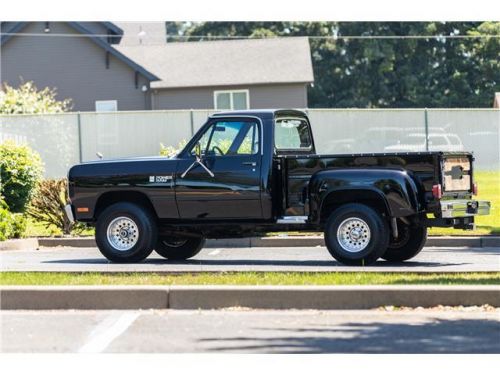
[251, 331]
[315, 259]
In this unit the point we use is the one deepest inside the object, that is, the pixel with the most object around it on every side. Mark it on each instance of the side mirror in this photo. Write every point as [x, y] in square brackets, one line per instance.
[197, 150]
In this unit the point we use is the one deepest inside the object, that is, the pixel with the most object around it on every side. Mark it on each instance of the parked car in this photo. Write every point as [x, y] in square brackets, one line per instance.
[372, 139]
[246, 173]
[437, 142]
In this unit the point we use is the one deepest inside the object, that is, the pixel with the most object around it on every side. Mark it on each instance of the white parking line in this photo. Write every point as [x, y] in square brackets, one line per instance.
[215, 252]
[108, 330]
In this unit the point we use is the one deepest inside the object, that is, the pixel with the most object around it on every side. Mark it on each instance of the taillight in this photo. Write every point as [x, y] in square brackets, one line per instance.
[437, 192]
[474, 188]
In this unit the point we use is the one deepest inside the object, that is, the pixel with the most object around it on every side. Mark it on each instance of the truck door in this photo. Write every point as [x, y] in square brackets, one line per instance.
[226, 180]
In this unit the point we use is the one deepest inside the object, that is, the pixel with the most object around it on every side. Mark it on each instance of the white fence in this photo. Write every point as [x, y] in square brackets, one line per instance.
[66, 139]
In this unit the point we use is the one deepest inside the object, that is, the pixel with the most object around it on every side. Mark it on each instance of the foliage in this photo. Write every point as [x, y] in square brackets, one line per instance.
[47, 206]
[171, 151]
[27, 99]
[388, 73]
[11, 225]
[20, 170]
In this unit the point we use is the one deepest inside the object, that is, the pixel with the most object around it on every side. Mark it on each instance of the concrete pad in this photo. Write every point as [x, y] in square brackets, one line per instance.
[70, 242]
[19, 244]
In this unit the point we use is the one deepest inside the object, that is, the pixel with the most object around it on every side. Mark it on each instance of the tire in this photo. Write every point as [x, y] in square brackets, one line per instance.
[178, 248]
[366, 230]
[412, 241]
[126, 233]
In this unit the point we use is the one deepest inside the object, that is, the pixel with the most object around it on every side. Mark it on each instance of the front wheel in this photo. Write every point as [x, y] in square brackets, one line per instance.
[356, 234]
[410, 242]
[179, 248]
[125, 232]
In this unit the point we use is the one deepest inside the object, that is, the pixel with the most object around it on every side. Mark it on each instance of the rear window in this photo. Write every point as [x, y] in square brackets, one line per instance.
[292, 134]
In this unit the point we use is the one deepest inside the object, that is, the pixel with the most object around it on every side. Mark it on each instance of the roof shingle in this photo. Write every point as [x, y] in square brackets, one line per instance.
[225, 63]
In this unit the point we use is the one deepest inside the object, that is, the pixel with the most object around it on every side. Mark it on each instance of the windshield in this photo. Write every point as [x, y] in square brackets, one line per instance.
[292, 134]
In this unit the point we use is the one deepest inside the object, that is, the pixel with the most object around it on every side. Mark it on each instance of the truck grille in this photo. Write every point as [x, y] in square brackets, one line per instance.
[457, 174]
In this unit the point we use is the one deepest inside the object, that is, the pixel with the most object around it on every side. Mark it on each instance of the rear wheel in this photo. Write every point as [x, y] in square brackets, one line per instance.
[356, 234]
[175, 248]
[410, 242]
[125, 232]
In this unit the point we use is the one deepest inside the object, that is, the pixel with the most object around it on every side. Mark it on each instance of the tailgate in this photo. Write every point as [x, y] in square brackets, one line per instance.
[457, 172]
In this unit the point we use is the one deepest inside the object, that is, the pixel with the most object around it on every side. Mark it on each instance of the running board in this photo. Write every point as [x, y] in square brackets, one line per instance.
[292, 220]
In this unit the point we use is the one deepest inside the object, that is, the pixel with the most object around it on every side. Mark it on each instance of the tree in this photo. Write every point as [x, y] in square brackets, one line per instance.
[388, 73]
[27, 99]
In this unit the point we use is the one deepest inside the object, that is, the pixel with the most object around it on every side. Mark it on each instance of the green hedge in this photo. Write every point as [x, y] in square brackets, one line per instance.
[20, 170]
[11, 225]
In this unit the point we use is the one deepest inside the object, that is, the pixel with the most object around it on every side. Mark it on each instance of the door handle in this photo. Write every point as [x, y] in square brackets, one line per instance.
[251, 163]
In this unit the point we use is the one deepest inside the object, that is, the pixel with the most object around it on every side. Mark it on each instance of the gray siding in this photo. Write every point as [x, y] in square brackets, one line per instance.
[74, 66]
[261, 96]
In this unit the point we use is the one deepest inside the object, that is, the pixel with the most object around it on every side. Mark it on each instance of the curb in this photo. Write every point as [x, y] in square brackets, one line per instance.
[288, 241]
[258, 297]
[291, 241]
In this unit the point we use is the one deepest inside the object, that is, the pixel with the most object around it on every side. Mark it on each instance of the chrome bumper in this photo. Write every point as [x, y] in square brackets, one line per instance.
[69, 213]
[464, 208]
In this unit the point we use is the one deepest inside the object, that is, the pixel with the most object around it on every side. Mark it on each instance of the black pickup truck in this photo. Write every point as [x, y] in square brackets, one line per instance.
[247, 173]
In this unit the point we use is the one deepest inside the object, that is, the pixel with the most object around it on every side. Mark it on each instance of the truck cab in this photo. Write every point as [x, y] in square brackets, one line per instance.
[246, 173]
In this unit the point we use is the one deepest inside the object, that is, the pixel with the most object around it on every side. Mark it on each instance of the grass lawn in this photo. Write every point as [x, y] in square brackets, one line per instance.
[489, 189]
[248, 278]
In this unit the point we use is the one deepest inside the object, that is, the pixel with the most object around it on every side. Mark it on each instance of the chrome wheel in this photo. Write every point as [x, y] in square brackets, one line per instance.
[353, 234]
[122, 233]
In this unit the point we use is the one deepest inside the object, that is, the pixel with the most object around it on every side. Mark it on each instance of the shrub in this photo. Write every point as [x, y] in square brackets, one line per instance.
[47, 206]
[20, 170]
[171, 151]
[11, 225]
[28, 99]
[5, 221]
[18, 225]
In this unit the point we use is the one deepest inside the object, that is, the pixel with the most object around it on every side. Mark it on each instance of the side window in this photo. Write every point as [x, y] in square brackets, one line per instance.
[292, 134]
[250, 144]
[225, 138]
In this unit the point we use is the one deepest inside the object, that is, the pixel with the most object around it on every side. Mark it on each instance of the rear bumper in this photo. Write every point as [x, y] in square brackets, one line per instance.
[464, 208]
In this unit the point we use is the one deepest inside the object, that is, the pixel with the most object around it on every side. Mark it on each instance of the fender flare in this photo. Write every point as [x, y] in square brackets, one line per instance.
[395, 188]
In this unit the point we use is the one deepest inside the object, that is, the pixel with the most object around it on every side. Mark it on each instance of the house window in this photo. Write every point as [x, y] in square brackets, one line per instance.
[106, 106]
[235, 99]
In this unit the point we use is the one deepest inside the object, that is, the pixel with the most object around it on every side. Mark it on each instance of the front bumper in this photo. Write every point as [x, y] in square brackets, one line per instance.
[464, 208]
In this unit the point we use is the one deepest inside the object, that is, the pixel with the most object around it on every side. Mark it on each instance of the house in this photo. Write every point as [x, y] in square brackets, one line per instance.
[104, 66]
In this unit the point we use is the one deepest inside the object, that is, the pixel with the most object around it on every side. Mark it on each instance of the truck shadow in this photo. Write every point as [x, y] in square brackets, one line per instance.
[433, 336]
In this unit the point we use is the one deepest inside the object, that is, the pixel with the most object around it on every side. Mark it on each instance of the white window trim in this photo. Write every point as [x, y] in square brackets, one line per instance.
[230, 92]
[115, 102]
